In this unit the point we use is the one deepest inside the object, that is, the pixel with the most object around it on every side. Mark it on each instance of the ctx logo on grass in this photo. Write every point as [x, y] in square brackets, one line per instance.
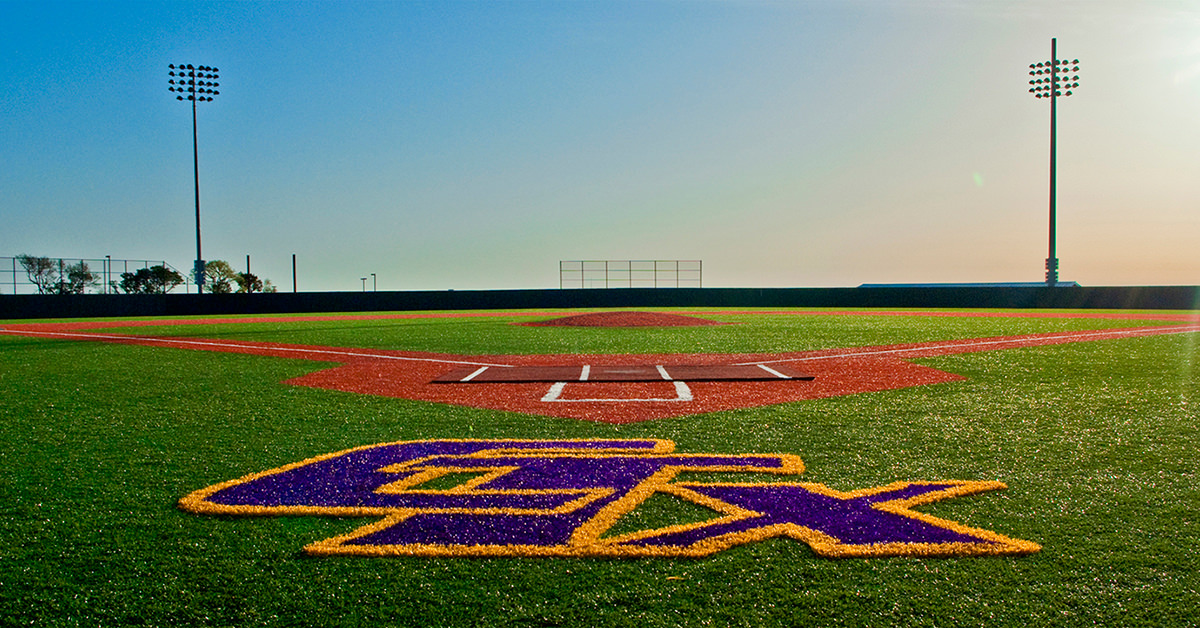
[582, 498]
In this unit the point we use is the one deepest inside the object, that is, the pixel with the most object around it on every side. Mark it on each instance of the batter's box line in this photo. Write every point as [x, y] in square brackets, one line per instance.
[682, 392]
[554, 395]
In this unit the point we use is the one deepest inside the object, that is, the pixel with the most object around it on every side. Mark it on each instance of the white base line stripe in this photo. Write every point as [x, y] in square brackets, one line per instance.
[773, 371]
[662, 371]
[1017, 342]
[226, 345]
[1025, 342]
[583, 374]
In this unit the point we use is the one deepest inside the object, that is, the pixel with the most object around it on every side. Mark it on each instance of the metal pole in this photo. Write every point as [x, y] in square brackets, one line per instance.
[1051, 259]
[193, 84]
[1052, 87]
[293, 272]
[199, 265]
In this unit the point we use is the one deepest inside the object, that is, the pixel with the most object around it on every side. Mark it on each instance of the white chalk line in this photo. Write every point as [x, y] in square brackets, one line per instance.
[772, 371]
[474, 374]
[229, 345]
[1017, 342]
[554, 395]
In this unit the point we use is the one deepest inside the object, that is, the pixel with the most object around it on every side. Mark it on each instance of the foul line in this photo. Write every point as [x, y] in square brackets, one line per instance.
[229, 345]
[1032, 341]
[929, 348]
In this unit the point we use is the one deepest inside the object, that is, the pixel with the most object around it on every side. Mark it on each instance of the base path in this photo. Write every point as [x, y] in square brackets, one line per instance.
[611, 388]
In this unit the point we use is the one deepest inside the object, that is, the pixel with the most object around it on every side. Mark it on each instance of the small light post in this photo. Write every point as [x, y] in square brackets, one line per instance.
[374, 284]
[195, 84]
[364, 280]
[1052, 79]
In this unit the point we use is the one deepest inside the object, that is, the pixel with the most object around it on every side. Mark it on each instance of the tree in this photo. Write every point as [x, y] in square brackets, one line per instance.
[153, 280]
[248, 282]
[164, 279]
[41, 272]
[135, 282]
[51, 277]
[219, 276]
[78, 278]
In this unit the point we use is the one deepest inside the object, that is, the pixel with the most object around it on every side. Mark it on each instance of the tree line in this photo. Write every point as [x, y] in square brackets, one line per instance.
[51, 276]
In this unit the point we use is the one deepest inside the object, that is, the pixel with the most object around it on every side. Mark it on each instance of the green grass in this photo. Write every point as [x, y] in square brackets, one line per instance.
[1097, 442]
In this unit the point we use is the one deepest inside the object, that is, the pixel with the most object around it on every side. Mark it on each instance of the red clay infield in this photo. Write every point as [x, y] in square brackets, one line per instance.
[624, 319]
[624, 389]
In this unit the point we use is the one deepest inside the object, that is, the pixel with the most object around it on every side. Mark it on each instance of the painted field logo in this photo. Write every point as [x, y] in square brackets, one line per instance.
[587, 498]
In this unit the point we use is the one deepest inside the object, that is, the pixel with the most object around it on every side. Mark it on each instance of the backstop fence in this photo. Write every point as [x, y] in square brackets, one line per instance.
[106, 272]
[630, 274]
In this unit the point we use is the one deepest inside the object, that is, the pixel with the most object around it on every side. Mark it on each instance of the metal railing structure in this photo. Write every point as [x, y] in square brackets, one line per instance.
[14, 279]
[630, 274]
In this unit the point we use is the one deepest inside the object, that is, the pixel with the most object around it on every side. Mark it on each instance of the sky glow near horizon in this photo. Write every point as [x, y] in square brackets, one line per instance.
[474, 145]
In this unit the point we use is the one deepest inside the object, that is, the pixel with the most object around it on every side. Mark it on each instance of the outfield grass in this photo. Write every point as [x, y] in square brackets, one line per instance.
[1096, 441]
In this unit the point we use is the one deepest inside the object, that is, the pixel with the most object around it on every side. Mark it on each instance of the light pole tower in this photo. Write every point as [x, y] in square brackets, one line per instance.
[1052, 79]
[196, 84]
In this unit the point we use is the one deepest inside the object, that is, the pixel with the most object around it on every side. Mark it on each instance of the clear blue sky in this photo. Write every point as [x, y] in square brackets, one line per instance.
[473, 145]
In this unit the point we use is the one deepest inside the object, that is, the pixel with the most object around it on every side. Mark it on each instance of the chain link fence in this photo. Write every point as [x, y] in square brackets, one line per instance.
[105, 274]
[630, 274]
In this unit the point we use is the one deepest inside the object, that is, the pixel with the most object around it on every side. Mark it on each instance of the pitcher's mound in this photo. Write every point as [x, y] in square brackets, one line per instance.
[624, 319]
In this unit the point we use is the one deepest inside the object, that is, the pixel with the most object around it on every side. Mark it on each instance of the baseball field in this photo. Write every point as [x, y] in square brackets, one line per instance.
[604, 468]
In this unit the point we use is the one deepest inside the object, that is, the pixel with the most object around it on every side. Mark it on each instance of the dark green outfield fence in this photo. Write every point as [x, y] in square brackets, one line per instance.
[81, 305]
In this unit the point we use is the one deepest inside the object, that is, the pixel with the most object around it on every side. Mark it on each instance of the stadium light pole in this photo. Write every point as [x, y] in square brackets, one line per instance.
[1052, 79]
[195, 84]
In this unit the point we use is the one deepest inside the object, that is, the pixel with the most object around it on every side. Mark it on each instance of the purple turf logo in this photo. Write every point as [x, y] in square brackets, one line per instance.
[577, 498]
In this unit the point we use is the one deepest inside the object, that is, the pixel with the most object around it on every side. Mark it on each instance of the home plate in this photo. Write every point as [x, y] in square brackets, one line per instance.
[619, 373]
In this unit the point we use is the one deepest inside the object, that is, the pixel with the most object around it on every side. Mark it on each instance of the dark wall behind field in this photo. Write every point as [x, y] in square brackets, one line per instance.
[74, 306]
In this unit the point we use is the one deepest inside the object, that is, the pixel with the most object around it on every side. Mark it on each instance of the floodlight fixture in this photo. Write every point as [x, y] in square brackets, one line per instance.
[1053, 79]
[194, 84]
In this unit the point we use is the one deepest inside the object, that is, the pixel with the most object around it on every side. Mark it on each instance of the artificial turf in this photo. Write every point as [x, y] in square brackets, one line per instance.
[1095, 440]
